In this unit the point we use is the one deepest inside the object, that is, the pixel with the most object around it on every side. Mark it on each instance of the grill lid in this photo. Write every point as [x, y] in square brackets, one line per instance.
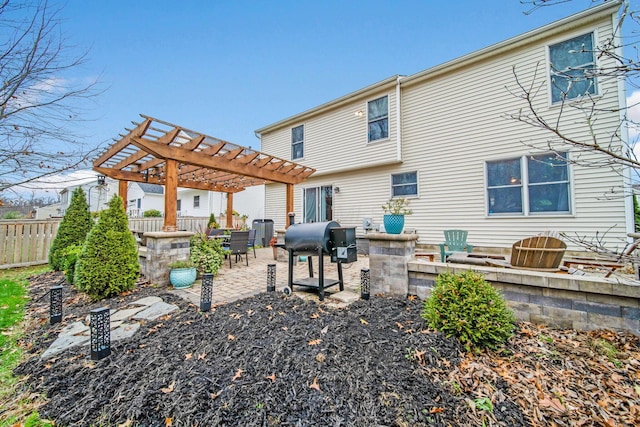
[309, 237]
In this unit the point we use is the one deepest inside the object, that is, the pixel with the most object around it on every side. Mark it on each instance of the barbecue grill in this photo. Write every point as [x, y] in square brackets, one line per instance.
[319, 239]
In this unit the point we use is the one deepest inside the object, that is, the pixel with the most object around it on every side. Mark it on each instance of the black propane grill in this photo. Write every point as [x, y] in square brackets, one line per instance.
[319, 239]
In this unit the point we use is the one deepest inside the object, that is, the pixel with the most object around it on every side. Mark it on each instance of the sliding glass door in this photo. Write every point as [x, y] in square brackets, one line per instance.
[318, 203]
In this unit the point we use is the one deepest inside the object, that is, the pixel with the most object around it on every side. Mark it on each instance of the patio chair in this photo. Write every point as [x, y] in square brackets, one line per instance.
[237, 245]
[454, 241]
[252, 241]
[542, 253]
[214, 232]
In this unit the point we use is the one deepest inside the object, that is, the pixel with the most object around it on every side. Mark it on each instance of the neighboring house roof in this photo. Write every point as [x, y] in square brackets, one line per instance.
[151, 188]
[516, 42]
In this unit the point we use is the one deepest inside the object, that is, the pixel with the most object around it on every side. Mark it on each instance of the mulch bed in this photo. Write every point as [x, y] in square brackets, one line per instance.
[283, 361]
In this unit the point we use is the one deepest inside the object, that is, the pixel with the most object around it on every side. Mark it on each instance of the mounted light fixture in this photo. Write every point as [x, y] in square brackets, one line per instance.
[336, 189]
[101, 179]
[359, 113]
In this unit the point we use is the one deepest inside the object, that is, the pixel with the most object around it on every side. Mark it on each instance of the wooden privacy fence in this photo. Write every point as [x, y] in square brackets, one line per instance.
[26, 242]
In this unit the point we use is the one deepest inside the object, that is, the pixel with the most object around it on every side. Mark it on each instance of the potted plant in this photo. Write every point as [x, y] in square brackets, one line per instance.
[182, 273]
[395, 210]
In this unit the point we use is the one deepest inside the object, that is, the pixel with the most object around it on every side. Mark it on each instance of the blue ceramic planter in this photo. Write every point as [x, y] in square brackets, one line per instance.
[182, 278]
[393, 224]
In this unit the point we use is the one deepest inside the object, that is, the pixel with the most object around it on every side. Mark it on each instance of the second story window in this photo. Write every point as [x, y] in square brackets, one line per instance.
[378, 118]
[571, 67]
[297, 142]
[196, 201]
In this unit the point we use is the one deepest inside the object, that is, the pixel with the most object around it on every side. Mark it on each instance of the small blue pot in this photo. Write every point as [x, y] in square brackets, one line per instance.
[182, 278]
[393, 224]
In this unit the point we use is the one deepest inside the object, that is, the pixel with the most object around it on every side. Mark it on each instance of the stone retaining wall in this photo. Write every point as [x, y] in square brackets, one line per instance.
[559, 300]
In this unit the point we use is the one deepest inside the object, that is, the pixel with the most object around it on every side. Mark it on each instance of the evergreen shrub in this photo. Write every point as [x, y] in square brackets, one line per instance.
[70, 256]
[73, 229]
[466, 306]
[108, 263]
[152, 213]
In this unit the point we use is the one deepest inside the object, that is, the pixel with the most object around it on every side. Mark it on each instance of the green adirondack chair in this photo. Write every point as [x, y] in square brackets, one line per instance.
[454, 241]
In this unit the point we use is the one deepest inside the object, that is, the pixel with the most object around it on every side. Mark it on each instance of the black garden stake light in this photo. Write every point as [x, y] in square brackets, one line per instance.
[365, 282]
[271, 278]
[206, 292]
[55, 306]
[100, 333]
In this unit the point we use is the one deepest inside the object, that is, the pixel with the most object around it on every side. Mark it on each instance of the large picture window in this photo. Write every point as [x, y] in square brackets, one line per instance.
[571, 66]
[404, 184]
[318, 203]
[378, 118]
[528, 185]
[297, 142]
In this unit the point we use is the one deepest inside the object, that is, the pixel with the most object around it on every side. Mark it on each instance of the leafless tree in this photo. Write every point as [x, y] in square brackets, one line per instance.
[616, 58]
[616, 148]
[41, 100]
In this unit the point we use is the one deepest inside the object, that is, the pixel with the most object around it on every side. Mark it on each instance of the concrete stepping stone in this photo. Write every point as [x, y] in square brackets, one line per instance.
[126, 313]
[64, 342]
[75, 328]
[147, 301]
[156, 310]
[126, 330]
[345, 296]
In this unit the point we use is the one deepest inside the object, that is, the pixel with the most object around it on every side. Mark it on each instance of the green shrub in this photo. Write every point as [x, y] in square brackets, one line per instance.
[70, 256]
[206, 253]
[13, 215]
[182, 263]
[212, 222]
[73, 230]
[152, 213]
[108, 263]
[468, 307]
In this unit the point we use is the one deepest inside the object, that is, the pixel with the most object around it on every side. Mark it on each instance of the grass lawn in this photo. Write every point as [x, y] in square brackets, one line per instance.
[13, 295]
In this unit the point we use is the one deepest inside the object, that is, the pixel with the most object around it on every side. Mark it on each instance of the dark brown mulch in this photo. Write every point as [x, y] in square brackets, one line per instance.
[275, 360]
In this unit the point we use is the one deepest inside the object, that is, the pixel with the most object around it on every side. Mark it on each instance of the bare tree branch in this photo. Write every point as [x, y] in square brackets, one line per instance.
[41, 101]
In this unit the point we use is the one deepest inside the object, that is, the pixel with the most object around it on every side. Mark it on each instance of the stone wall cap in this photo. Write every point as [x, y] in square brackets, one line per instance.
[395, 237]
[168, 234]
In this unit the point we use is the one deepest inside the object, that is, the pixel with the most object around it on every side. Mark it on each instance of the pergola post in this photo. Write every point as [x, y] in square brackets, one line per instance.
[171, 196]
[122, 192]
[229, 210]
[289, 203]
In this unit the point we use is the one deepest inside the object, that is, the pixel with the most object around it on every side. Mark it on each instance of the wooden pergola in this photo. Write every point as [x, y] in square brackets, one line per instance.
[158, 152]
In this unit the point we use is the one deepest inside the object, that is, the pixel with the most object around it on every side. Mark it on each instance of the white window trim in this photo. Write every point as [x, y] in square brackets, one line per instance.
[526, 212]
[388, 137]
[304, 137]
[413, 196]
[597, 93]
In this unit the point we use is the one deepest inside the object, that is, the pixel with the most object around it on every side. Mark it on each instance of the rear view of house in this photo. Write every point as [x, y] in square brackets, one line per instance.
[446, 138]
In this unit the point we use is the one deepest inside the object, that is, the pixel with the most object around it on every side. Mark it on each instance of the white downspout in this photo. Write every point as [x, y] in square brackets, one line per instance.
[398, 122]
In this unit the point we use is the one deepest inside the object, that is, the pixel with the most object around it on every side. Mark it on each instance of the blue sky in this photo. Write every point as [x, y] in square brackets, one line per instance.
[226, 68]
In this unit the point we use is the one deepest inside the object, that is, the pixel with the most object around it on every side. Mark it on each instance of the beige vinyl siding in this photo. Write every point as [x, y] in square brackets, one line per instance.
[453, 124]
[337, 140]
[276, 206]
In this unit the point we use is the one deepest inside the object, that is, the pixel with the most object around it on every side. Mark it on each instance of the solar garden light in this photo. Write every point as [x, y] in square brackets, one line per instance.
[365, 281]
[100, 333]
[206, 291]
[55, 305]
[271, 277]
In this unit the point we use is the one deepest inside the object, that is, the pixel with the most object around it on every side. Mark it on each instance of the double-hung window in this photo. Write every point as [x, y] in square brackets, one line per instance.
[297, 142]
[571, 67]
[529, 185]
[378, 118]
[196, 201]
[404, 184]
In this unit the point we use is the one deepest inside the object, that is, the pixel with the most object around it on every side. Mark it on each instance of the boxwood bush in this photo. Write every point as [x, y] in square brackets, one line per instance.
[108, 263]
[466, 306]
[73, 229]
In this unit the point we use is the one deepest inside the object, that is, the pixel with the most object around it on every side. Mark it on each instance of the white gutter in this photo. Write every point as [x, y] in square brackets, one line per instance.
[398, 121]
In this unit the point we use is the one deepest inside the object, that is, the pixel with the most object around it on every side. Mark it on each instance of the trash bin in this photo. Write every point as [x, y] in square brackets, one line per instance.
[264, 231]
